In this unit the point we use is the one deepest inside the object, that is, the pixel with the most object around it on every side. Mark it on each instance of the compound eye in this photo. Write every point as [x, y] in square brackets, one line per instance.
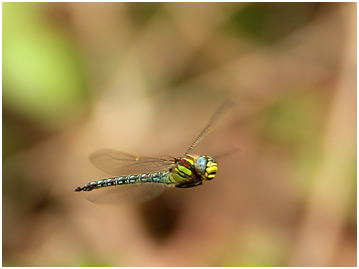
[211, 169]
[201, 164]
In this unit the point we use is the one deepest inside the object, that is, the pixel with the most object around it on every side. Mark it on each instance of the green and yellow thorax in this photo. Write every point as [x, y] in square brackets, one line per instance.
[191, 170]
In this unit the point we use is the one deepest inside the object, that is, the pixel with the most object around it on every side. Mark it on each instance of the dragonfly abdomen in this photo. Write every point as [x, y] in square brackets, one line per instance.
[157, 177]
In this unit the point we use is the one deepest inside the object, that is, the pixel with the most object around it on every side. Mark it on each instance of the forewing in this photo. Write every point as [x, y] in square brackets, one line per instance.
[119, 163]
[221, 112]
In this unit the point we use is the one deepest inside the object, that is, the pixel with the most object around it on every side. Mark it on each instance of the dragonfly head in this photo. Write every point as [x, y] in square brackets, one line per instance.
[207, 167]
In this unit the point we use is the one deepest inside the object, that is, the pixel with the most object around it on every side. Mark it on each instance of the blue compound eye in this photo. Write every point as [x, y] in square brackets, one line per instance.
[201, 164]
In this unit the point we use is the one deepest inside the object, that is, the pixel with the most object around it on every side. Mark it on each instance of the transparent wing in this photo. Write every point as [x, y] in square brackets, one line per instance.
[118, 163]
[213, 122]
[126, 194]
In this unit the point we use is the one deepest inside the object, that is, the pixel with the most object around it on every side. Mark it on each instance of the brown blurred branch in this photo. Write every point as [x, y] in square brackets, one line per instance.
[323, 224]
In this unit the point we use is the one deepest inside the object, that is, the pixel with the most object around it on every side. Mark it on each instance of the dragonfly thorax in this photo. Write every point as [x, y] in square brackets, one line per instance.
[191, 170]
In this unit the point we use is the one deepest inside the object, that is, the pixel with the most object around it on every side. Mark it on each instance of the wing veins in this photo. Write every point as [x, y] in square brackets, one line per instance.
[119, 163]
[215, 119]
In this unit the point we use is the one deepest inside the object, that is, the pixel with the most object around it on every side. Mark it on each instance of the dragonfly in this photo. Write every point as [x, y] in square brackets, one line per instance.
[143, 178]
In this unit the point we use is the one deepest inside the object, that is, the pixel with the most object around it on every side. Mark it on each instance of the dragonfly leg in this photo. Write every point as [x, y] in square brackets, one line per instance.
[189, 184]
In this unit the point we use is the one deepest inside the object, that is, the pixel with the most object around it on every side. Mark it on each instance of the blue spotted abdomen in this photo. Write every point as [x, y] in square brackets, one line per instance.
[158, 177]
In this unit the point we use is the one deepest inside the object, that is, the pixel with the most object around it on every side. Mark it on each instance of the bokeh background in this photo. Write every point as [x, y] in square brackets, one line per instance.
[144, 78]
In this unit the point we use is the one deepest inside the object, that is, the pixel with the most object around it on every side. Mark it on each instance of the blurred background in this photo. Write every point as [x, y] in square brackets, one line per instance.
[144, 78]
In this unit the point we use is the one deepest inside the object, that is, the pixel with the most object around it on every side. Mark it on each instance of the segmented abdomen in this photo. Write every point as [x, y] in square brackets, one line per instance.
[158, 177]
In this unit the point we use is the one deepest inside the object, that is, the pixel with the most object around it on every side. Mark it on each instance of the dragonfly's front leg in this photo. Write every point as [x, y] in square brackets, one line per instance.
[189, 184]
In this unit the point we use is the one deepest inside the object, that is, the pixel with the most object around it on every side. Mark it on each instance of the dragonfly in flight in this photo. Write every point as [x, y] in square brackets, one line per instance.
[146, 177]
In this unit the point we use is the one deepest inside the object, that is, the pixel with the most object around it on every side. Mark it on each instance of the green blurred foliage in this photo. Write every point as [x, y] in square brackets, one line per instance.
[297, 131]
[84, 261]
[352, 208]
[257, 247]
[288, 124]
[43, 78]
[90, 261]
[141, 13]
[268, 22]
